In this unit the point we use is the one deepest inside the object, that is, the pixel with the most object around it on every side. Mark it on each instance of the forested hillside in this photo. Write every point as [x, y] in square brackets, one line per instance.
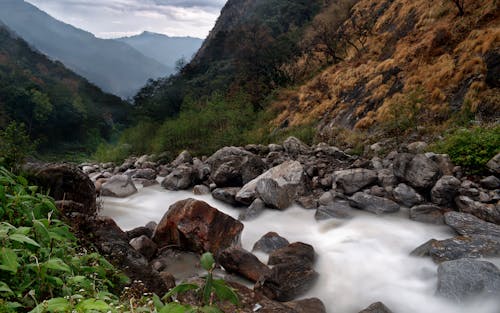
[59, 108]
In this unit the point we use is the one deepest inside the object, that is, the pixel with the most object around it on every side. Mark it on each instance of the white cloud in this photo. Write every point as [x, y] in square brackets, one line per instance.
[115, 18]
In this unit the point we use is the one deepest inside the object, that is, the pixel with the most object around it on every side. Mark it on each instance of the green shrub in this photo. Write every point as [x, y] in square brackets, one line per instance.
[15, 146]
[471, 148]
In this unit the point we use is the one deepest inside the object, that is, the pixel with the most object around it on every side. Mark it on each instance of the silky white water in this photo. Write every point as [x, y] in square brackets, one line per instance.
[360, 261]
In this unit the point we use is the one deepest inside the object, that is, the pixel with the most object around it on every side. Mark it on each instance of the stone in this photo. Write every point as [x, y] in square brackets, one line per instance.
[430, 214]
[467, 224]
[494, 164]
[234, 167]
[140, 231]
[226, 195]
[373, 204]
[194, 225]
[168, 279]
[297, 252]
[67, 207]
[244, 263]
[418, 170]
[475, 246]
[326, 198]
[407, 196]
[201, 190]
[145, 173]
[145, 246]
[272, 194]
[311, 305]
[257, 149]
[487, 212]
[182, 158]
[353, 180]
[337, 209]
[377, 307]
[386, 178]
[287, 281]
[417, 147]
[446, 167]
[459, 280]
[445, 191]
[119, 186]
[202, 170]
[254, 210]
[308, 202]
[270, 242]
[184, 264]
[423, 249]
[180, 178]
[490, 182]
[289, 175]
[294, 146]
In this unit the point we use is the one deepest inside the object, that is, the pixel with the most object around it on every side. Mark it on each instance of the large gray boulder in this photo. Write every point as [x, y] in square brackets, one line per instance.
[119, 186]
[226, 195]
[430, 214]
[270, 242]
[353, 180]
[181, 178]
[462, 279]
[417, 170]
[467, 224]
[373, 204]
[475, 246]
[294, 146]
[182, 158]
[289, 175]
[273, 195]
[445, 191]
[336, 209]
[407, 196]
[487, 212]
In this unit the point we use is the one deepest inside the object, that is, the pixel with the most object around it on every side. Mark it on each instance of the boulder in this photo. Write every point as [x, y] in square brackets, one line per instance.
[308, 202]
[494, 164]
[459, 280]
[272, 194]
[270, 242]
[182, 158]
[140, 231]
[475, 246]
[227, 195]
[373, 204]
[234, 167]
[417, 170]
[386, 178]
[487, 212]
[119, 186]
[337, 209]
[467, 224]
[201, 190]
[194, 225]
[180, 178]
[326, 198]
[417, 147]
[377, 307]
[244, 263]
[144, 173]
[311, 305]
[254, 210]
[445, 191]
[289, 175]
[297, 252]
[407, 196]
[201, 170]
[426, 213]
[353, 180]
[293, 146]
[490, 182]
[145, 246]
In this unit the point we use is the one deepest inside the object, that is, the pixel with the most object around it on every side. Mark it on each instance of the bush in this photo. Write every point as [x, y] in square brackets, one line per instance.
[15, 146]
[471, 148]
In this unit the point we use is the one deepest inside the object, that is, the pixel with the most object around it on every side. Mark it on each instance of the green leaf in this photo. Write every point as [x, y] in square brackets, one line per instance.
[224, 292]
[174, 307]
[157, 302]
[56, 264]
[207, 289]
[4, 288]
[179, 289]
[23, 239]
[207, 261]
[8, 260]
[53, 305]
[92, 304]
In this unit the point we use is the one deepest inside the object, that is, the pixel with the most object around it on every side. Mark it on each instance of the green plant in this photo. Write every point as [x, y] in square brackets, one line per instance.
[15, 145]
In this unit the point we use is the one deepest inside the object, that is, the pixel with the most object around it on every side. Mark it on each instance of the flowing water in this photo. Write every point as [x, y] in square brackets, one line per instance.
[360, 261]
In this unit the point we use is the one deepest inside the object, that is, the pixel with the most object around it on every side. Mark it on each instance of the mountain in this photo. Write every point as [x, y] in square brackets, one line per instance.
[58, 107]
[112, 65]
[164, 49]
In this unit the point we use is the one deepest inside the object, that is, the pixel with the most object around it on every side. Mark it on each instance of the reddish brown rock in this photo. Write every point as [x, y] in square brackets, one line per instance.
[297, 252]
[194, 225]
[244, 263]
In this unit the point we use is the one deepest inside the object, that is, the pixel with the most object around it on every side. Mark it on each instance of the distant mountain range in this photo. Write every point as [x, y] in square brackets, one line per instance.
[113, 65]
[164, 49]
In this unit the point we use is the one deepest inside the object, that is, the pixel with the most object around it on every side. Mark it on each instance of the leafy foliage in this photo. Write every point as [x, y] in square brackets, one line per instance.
[15, 145]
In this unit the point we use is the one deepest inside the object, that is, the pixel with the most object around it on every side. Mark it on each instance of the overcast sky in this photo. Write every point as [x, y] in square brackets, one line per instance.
[117, 18]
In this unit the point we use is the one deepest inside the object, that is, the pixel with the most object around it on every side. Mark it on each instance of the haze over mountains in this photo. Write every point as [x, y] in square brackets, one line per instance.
[113, 65]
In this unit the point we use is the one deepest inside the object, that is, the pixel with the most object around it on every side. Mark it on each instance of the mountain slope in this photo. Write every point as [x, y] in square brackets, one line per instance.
[164, 49]
[57, 106]
[114, 66]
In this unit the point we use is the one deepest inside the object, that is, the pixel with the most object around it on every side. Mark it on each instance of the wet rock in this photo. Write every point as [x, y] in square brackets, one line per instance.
[487, 212]
[426, 213]
[145, 182]
[119, 186]
[145, 173]
[475, 246]
[467, 224]
[272, 194]
[242, 262]
[297, 252]
[145, 246]
[184, 264]
[201, 190]
[140, 231]
[445, 191]
[308, 202]
[289, 175]
[311, 305]
[234, 167]
[270, 242]
[294, 146]
[180, 178]
[326, 198]
[417, 170]
[377, 307]
[287, 281]
[182, 158]
[373, 204]
[407, 196]
[490, 182]
[254, 210]
[423, 249]
[338, 209]
[462, 279]
[196, 226]
[353, 180]
[494, 164]
[227, 195]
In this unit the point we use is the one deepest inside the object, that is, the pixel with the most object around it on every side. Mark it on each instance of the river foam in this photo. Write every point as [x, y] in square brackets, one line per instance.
[360, 261]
